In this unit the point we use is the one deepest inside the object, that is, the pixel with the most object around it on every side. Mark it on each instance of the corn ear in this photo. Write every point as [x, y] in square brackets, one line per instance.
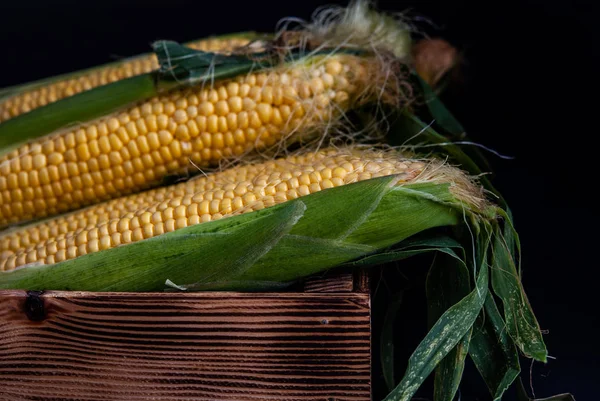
[240, 189]
[310, 234]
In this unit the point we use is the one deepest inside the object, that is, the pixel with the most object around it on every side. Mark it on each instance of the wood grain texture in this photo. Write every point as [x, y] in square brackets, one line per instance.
[197, 346]
[362, 282]
[337, 283]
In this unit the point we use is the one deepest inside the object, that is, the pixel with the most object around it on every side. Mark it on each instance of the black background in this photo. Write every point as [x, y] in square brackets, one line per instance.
[529, 91]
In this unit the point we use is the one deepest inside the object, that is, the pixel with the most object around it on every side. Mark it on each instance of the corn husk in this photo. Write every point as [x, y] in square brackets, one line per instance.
[270, 245]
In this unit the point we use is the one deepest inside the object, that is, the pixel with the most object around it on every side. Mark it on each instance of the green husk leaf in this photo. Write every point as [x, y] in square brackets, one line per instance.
[411, 247]
[308, 242]
[401, 213]
[448, 281]
[445, 334]
[264, 235]
[432, 240]
[392, 256]
[493, 351]
[448, 374]
[387, 340]
[223, 251]
[326, 236]
[518, 315]
[189, 66]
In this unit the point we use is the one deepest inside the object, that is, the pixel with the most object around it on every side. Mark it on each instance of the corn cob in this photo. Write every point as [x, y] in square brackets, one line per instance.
[171, 134]
[40, 96]
[237, 190]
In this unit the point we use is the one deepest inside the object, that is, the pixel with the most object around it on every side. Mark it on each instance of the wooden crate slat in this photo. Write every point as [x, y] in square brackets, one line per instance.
[200, 346]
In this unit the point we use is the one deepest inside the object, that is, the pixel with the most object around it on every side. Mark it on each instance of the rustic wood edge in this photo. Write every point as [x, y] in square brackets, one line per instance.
[177, 295]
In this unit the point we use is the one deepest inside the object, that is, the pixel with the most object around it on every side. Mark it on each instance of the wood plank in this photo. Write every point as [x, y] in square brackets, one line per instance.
[196, 346]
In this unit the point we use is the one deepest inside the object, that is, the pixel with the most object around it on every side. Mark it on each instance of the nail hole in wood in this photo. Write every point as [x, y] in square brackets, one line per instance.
[34, 306]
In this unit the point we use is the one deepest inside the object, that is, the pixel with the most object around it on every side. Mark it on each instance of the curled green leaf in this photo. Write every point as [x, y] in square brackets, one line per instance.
[493, 351]
[447, 283]
[443, 337]
[521, 323]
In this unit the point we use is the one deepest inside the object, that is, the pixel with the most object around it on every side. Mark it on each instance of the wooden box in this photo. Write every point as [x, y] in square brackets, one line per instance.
[309, 345]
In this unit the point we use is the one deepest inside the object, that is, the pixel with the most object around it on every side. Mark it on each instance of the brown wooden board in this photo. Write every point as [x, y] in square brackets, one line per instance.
[178, 346]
